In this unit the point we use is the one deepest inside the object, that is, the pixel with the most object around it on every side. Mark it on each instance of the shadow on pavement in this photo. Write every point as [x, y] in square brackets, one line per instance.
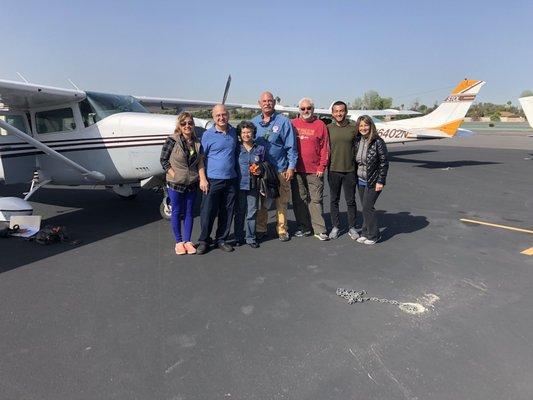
[101, 214]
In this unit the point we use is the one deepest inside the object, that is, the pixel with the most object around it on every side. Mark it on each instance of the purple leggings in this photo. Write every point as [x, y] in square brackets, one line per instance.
[182, 204]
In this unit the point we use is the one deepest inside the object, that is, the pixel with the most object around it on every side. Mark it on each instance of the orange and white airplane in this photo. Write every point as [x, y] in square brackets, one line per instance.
[443, 122]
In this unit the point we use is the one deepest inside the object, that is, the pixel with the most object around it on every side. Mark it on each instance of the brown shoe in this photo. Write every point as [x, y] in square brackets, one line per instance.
[189, 247]
[180, 249]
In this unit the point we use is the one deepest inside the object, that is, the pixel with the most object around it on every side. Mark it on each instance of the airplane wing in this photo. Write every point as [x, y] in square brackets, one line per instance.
[155, 104]
[22, 96]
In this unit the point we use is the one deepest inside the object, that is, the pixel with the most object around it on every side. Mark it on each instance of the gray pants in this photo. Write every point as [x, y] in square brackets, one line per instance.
[307, 200]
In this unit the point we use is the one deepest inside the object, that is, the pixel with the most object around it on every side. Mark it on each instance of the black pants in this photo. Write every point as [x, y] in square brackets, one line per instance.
[347, 182]
[218, 202]
[368, 198]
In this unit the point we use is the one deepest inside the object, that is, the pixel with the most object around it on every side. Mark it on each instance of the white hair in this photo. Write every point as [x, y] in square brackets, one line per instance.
[306, 100]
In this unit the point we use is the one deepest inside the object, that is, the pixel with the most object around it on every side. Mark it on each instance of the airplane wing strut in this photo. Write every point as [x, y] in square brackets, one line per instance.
[89, 175]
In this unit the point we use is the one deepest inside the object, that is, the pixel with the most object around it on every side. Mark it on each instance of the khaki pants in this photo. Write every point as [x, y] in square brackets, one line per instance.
[307, 200]
[281, 208]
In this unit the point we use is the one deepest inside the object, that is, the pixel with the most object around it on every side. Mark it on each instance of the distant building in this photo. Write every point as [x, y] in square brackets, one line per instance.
[480, 119]
[506, 116]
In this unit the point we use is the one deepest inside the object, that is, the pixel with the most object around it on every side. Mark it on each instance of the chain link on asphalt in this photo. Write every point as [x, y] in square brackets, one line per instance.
[354, 296]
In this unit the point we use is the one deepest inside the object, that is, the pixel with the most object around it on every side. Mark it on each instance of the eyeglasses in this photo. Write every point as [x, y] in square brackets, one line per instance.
[189, 123]
[306, 108]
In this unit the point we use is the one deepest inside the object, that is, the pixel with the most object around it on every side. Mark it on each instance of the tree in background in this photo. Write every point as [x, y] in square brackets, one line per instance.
[371, 100]
[526, 93]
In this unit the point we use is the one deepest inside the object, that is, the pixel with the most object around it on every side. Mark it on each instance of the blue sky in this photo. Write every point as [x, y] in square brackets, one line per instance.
[323, 50]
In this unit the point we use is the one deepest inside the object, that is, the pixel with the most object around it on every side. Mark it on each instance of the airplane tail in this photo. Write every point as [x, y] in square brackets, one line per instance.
[527, 106]
[446, 119]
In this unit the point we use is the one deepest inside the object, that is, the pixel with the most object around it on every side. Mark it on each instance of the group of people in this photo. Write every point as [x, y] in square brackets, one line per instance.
[242, 170]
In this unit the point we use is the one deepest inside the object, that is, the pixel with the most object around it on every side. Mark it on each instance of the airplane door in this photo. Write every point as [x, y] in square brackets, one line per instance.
[17, 158]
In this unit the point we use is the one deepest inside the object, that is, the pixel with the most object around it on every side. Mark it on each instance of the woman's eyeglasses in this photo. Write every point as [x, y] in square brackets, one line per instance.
[188, 123]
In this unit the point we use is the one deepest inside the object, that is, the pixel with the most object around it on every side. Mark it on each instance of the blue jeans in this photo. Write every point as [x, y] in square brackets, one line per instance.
[182, 204]
[246, 210]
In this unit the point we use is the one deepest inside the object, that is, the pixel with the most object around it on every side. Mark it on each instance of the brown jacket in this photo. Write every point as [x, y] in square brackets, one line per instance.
[184, 165]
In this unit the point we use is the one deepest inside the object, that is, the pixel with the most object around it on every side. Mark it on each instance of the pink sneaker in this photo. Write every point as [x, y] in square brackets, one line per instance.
[180, 249]
[189, 247]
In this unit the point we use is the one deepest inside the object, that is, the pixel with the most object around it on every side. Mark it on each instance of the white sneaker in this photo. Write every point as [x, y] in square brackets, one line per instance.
[368, 241]
[334, 234]
[361, 239]
[353, 234]
[322, 236]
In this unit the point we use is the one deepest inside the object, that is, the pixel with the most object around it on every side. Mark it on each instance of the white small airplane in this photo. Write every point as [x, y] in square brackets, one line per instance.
[73, 137]
[527, 106]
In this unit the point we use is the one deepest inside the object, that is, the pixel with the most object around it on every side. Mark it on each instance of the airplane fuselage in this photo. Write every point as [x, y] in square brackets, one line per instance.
[123, 146]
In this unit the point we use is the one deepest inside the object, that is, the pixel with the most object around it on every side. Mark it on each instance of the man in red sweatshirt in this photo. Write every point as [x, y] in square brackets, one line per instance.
[308, 186]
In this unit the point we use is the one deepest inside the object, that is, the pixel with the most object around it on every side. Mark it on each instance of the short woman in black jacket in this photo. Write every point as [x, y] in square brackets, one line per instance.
[371, 164]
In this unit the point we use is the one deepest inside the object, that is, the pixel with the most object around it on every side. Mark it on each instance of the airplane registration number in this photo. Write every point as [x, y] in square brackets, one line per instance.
[393, 133]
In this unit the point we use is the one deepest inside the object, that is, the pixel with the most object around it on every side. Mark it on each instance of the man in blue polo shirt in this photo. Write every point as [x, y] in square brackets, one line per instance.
[275, 133]
[219, 145]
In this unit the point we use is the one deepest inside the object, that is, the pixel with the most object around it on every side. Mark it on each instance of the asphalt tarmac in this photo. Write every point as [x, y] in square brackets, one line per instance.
[120, 316]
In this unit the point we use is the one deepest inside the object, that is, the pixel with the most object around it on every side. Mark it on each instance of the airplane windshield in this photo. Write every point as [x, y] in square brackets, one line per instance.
[104, 104]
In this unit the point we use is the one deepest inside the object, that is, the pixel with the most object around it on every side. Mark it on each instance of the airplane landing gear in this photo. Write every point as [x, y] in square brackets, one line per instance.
[165, 209]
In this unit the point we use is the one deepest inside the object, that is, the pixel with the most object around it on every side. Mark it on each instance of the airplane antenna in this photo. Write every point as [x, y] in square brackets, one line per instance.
[22, 77]
[73, 84]
[226, 90]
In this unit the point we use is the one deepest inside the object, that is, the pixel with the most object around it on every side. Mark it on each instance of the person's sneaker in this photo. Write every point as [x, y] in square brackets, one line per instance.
[225, 247]
[284, 237]
[353, 234]
[322, 236]
[180, 249]
[361, 239]
[334, 234]
[302, 233]
[189, 247]
[371, 241]
[254, 245]
[202, 248]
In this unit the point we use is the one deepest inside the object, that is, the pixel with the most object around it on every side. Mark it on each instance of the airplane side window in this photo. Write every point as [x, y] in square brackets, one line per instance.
[15, 120]
[88, 113]
[53, 121]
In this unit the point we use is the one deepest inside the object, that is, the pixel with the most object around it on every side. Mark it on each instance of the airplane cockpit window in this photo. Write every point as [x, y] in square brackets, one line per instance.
[53, 121]
[88, 113]
[15, 120]
[102, 105]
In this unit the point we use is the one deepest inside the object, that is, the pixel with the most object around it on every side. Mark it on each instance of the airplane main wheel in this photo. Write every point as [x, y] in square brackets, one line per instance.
[130, 197]
[165, 209]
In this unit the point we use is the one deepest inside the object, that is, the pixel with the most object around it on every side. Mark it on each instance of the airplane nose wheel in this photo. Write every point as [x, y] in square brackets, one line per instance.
[165, 209]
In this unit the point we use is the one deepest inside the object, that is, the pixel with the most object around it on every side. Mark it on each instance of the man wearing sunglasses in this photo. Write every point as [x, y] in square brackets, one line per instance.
[275, 133]
[308, 186]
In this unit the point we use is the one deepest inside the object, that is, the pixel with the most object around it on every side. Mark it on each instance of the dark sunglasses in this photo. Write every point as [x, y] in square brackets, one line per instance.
[190, 123]
[306, 108]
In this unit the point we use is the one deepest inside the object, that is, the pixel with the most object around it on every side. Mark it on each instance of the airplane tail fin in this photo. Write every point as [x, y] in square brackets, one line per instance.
[449, 115]
[527, 106]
